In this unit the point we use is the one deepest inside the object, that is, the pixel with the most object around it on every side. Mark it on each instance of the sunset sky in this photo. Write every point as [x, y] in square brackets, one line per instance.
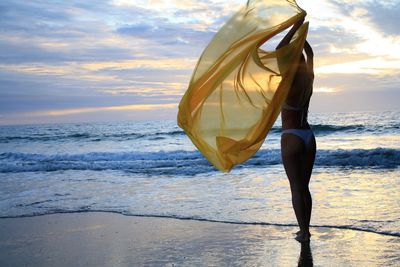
[73, 61]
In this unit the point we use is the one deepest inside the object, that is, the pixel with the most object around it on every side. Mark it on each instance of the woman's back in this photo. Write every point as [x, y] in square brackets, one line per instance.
[295, 109]
[302, 86]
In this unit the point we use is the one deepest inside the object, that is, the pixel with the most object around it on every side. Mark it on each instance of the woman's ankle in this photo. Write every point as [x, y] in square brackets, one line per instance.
[301, 231]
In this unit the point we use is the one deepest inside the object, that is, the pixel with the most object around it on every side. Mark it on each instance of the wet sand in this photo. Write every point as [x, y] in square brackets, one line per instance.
[109, 239]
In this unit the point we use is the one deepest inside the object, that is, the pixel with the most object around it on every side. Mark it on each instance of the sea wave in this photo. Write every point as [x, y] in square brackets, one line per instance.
[99, 135]
[89, 136]
[180, 162]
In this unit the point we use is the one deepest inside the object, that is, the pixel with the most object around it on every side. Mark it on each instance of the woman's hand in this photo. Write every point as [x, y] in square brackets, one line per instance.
[289, 35]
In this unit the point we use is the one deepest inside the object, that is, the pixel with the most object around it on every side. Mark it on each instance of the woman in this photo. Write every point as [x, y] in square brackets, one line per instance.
[298, 144]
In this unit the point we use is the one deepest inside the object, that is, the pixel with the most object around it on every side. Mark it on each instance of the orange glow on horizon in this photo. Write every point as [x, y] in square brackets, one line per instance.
[64, 112]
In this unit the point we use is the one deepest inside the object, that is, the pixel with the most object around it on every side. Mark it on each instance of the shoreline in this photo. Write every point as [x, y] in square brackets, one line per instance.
[112, 239]
[344, 227]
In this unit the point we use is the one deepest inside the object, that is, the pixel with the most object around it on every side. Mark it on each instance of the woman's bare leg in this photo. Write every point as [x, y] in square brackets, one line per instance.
[298, 161]
[308, 165]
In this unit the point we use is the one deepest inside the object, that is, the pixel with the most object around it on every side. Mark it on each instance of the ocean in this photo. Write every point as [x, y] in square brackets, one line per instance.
[151, 168]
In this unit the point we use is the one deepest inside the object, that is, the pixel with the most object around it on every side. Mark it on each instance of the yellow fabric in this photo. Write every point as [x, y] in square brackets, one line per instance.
[237, 89]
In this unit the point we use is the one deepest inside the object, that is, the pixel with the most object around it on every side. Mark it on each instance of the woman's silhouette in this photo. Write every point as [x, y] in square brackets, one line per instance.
[298, 144]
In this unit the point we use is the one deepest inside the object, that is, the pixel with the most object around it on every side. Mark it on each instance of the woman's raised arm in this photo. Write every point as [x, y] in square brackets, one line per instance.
[310, 54]
[289, 35]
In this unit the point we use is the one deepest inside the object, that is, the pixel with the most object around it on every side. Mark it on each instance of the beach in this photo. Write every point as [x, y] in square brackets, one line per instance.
[119, 121]
[109, 239]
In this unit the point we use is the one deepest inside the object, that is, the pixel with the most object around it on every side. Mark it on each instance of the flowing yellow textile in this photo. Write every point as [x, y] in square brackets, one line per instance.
[237, 89]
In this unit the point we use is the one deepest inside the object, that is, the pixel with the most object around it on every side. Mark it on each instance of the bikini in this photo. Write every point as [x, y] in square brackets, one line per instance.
[305, 134]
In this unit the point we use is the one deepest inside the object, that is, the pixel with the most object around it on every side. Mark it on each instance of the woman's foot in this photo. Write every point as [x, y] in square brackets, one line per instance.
[303, 236]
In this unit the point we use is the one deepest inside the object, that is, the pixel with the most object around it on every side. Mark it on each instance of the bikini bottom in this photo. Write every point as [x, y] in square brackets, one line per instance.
[304, 134]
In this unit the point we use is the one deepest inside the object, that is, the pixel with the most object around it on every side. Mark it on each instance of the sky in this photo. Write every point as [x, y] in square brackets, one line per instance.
[119, 60]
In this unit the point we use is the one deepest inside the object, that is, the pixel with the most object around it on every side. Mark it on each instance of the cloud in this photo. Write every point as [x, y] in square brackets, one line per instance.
[77, 55]
[352, 50]
[374, 66]
[327, 90]
[167, 34]
[385, 16]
